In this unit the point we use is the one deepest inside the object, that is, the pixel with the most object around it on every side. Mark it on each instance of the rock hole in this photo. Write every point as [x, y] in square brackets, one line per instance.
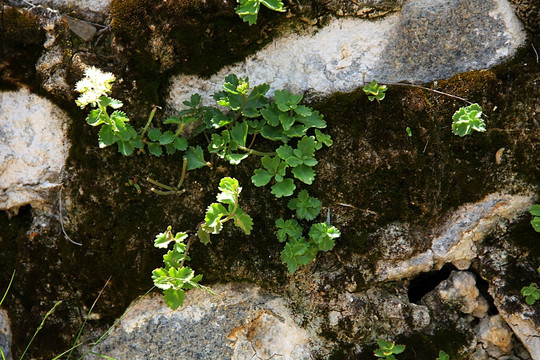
[483, 287]
[426, 282]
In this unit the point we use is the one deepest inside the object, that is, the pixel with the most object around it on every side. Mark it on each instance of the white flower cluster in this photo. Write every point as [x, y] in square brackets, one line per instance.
[94, 84]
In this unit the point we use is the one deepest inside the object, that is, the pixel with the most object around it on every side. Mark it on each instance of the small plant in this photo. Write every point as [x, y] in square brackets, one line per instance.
[467, 119]
[387, 349]
[531, 293]
[409, 132]
[375, 91]
[248, 10]
[306, 207]
[535, 222]
[298, 251]
[443, 356]
[175, 278]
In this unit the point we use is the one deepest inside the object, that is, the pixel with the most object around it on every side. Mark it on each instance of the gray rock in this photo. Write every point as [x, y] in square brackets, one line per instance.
[427, 40]
[5, 334]
[33, 149]
[495, 335]
[241, 322]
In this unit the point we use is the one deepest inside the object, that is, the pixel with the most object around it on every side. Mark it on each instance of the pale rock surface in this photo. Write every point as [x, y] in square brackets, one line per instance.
[460, 288]
[427, 40]
[457, 241]
[5, 334]
[526, 330]
[92, 10]
[495, 336]
[241, 322]
[33, 149]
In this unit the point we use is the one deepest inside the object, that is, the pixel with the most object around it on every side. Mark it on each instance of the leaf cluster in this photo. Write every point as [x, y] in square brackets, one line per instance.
[248, 10]
[443, 356]
[467, 119]
[531, 293]
[387, 349]
[225, 209]
[174, 278]
[374, 91]
[114, 127]
[300, 251]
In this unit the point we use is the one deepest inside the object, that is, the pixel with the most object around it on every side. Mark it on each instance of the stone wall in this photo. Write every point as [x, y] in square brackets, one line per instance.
[435, 243]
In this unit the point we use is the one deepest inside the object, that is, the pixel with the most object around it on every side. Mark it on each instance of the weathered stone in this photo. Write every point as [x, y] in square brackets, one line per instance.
[95, 9]
[5, 334]
[33, 149]
[241, 322]
[83, 29]
[527, 331]
[459, 238]
[461, 288]
[495, 335]
[426, 41]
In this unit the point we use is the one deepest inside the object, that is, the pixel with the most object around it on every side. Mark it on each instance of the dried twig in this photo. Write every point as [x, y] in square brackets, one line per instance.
[61, 223]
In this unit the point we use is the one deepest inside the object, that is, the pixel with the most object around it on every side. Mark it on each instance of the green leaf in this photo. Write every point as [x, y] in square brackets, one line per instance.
[230, 189]
[304, 173]
[106, 136]
[306, 207]
[125, 147]
[271, 114]
[180, 143]
[239, 133]
[213, 216]
[288, 229]
[248, 10]
[375, 91]
[96, 117]
[274, 133]
[286, 101]
[194, 101]
[154, 134]
[166, 138]
[314, 120]
[398, 349]
[297, 252]
[243, 221]
[303, 110]
[535, 210]
[275, 5]
[443, 356]
[163, 239]
[322, 139]
[173, 259]
[195, 157]
[323, 235]
[283, 188]
[173, 120]
[204, 236]
[535, 222]
[467, 119]
[174, 298]
[154, 149]
[235, 159]
[261, 177]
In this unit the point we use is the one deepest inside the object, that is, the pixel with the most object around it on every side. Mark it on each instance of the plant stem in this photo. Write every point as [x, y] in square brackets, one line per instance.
[184, 170]
[9, 285]
[231, 214]
[188, 245]
[157, 183]
[39, 328]
[152, 113]
[256, 152]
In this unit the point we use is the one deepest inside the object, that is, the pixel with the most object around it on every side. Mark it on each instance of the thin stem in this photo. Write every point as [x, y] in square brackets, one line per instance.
[256, 152]
[39, 328]
[157, 183]
[188, 245]
[114, 325]
[9, 285]
[231, 214]
[60, 217]
[252, 140]
[86, 319]
[152, 113]
[184, 170]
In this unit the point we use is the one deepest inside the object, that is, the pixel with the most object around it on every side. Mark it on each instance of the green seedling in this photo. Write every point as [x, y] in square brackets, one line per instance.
[387, 349]
[443, 356]
[467, 119]
[531, 293]
[248, 10]
[375, 91]
[535, 222]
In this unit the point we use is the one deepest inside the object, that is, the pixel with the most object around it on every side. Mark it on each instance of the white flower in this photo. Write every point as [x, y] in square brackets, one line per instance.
[95, 84]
